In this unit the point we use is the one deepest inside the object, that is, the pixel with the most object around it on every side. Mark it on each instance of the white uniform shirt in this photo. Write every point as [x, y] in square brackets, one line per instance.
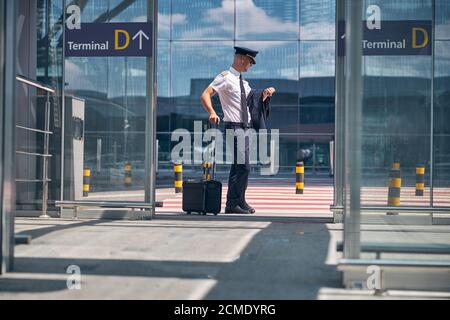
[227, 85]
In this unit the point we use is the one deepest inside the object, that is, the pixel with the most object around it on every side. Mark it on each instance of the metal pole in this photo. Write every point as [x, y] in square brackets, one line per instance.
[63, 101]
[45, 159]
[8, 188]
[339, 135]
[433, 59]
[353, 106]
[150, 127]
[2, 140]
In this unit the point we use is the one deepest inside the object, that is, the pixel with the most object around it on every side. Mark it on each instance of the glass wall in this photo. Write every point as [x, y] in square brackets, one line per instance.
[112, 94]
[405, 112]
[441, 173]
[396, 112]
[296, 43]
[405, 157]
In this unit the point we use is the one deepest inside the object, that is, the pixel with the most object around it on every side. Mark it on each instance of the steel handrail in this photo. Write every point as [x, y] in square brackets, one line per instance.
[35, 84]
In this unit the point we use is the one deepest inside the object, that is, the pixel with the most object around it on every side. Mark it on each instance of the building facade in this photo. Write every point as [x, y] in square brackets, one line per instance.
[405, 98]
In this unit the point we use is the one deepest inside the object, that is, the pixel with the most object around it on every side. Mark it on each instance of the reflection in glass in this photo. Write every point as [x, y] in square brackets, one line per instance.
[317, 19]
[396, 123]
[402, 9]
[273, 71]
[202, 19]
[196, 64]
[442, 125]
[164, 19]
[266, 19]
[163, 68]
[114, 95]
[442, 20]
[317, 59]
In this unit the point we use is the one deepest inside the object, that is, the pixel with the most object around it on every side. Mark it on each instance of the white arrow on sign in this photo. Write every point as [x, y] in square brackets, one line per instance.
[140, 34]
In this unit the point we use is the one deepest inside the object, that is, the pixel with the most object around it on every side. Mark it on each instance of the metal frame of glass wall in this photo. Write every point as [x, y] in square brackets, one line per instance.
[149, 181]
[7, 127]
[340, 147]
[399, 271]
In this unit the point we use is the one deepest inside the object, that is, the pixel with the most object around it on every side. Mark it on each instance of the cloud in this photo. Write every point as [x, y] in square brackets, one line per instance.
[164, 21]
[259, 22]
[220, 20]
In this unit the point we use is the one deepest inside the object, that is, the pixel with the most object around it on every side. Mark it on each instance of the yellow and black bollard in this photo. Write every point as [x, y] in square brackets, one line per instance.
[207, 171]
[128, 181]
[178, 169]
[395, 185]
[300, 178]
[86, 181]
[420, 180]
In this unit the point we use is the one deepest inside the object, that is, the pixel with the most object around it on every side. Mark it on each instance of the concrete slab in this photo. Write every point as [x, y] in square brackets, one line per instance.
[172, 259]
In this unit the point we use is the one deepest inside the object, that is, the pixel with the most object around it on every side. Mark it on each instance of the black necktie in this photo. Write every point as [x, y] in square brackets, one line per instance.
[243, 102]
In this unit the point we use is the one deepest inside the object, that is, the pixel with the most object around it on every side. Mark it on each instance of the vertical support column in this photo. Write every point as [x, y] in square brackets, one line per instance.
[151, 111]
[45, 160]
[63, 102]
[433, 65]
[353, 118]
[339, 135]
[8, 12]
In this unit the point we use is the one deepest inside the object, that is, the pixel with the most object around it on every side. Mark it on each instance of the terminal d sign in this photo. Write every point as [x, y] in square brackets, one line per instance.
[393, 38]
[109, 40]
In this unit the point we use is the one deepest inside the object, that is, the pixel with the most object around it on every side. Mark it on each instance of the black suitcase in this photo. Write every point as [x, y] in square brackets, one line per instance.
[202, 197]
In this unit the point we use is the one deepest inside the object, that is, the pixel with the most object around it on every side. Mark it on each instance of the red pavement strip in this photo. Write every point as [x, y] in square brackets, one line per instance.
[315, 200]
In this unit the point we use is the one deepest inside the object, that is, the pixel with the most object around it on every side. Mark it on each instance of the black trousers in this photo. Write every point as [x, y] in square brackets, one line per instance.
[240, 168]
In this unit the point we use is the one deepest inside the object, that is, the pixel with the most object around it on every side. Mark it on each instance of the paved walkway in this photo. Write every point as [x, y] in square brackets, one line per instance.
[173, 258]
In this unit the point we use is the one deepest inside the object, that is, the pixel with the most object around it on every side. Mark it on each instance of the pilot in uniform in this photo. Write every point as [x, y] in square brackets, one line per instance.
[233, 91]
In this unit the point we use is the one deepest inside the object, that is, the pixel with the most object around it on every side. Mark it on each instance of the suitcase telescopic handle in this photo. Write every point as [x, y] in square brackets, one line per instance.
[213, 153]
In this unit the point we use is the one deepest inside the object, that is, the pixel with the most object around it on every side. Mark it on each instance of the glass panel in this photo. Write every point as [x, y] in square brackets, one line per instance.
[441, 182]
[396, 133]
[402, 9]
[113, 93]
[202, 19]
[163, 68]
[284, 118]
[317, 111]
[164, 19]
[272, 71]
[266, 19]
[317, 60]
[195, 65]
[93, 10]
[317, 19]
[442, 19]
[131, 11]
[396, 126]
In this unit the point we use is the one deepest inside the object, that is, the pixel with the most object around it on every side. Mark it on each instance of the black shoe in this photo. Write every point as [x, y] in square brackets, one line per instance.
[248, 208]
[236, 210]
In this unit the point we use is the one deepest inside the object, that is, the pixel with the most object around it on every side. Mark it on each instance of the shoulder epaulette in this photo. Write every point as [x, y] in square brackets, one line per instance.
[225, 73]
